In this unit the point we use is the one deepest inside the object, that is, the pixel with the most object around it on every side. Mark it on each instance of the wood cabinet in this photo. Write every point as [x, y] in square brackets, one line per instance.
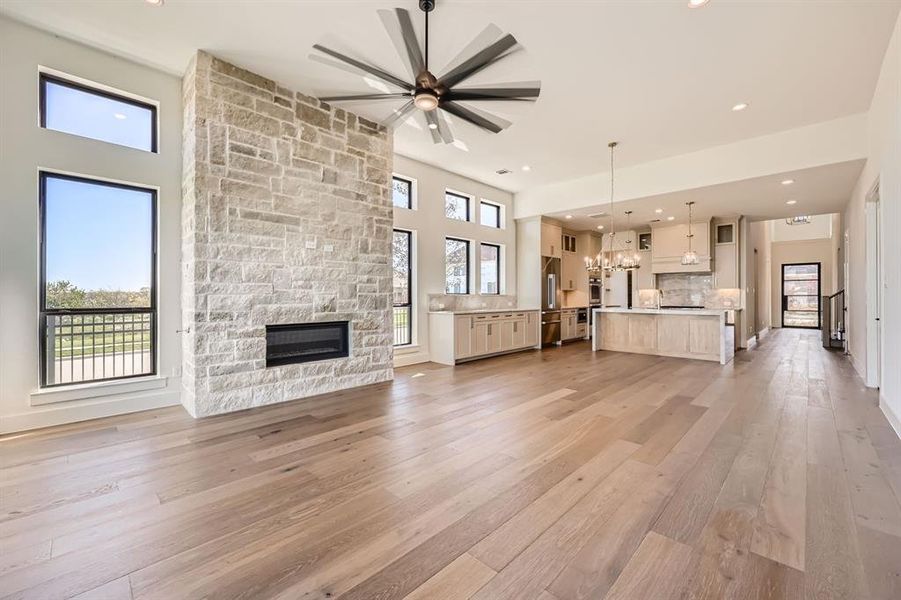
[572, 270]
[551, 240]
[456, 338]
[669, 243]
[570, 328]
[725, 262]
[704, 336]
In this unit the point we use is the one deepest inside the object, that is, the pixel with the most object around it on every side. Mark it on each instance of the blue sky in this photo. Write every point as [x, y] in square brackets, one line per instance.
[98, 237]
[88, 115]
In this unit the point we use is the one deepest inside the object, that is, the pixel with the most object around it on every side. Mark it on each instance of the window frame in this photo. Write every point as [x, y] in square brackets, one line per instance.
[500, 214]
[461, 196]
[498, 269]
[44, 77]
[409, 304]
[468, 265]
[411, 185]
[43, 311]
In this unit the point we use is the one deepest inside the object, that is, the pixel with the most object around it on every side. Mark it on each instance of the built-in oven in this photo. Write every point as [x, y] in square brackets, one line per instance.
[595, 290]
[582, 316]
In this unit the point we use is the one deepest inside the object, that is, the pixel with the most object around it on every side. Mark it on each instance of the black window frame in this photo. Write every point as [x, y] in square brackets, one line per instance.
[468, 265]
[409, 304]
[497, 210]
[467, 199]
[409, 183]
[497, 247]
[784, 299]
[43, 78]
[44, 312]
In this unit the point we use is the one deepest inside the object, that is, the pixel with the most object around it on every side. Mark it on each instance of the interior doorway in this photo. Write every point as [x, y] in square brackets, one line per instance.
[874, 287]
[801, 289]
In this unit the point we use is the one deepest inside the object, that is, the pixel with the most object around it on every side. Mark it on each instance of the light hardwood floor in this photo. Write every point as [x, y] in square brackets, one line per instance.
[543, 475]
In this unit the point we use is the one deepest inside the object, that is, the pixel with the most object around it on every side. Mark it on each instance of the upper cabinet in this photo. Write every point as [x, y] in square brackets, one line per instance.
[725, 249]
[551, 240]
[669, 243]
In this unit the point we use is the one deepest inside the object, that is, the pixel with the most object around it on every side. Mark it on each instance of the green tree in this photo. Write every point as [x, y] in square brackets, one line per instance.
[63, 294]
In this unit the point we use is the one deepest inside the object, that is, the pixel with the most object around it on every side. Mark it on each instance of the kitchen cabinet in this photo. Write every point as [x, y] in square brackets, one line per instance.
[551, 240]
[570, 328]
[725, 263]
[669, 243]
[458, 337]
[571, 272]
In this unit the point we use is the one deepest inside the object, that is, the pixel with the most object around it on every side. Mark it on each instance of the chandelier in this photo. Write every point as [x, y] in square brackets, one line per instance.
[689, 257]
[801, 220]
[614, 259]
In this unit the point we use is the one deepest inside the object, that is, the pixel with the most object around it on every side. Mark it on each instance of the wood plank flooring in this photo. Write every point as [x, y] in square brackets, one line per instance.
[554, 475]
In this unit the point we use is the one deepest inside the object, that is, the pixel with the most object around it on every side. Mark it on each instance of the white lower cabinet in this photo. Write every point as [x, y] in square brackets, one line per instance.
[454, 338]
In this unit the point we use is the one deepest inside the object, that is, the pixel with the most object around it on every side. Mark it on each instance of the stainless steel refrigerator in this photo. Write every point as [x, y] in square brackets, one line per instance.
[551, 297]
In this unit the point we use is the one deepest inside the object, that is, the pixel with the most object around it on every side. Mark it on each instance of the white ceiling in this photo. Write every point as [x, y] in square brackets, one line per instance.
[656, 74]
[820, 190]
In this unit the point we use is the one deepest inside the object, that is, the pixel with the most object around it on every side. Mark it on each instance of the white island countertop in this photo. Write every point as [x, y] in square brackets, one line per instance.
[666, 311]
[477, 311]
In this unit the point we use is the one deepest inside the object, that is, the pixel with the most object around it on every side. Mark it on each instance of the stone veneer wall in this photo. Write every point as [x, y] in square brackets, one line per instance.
[287, 218]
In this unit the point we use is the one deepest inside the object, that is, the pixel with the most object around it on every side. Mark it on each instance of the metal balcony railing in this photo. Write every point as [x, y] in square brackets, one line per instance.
[833, 328]
[82, 346]
[402, 325]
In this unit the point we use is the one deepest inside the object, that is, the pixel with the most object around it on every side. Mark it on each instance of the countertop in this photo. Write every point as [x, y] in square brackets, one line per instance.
[476, 311]
[667, 311]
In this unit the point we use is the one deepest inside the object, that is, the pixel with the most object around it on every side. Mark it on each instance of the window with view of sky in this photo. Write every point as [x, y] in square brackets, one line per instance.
[98, 242]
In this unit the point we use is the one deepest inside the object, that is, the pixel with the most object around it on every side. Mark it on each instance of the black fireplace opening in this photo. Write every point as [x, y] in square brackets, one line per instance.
[306, 342]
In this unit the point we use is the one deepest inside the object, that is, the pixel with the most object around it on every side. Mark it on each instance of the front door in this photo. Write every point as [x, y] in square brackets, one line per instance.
[801, 295]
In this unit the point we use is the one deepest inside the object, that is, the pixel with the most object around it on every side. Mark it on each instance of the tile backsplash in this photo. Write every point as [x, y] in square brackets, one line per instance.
[684, 289]
[460, 302]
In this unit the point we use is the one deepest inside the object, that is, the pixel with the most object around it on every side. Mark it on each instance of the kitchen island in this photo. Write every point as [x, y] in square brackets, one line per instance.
[701, 334]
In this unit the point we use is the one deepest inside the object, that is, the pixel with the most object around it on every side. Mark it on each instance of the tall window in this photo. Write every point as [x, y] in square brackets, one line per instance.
[81, 110]
[403, 299]
[456, 266]
[456, 206]
[402, 192]
[490, 214]
[98, 280]
[490, 268]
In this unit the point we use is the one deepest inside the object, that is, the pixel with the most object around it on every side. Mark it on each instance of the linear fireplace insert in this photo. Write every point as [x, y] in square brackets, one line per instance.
[306, 342]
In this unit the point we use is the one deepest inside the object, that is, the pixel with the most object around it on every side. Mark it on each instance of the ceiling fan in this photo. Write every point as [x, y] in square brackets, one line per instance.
[428, 92]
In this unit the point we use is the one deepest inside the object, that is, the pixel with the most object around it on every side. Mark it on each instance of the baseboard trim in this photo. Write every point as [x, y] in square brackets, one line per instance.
[762, 333]
[893, 419]
[72, 412]
[410, 358]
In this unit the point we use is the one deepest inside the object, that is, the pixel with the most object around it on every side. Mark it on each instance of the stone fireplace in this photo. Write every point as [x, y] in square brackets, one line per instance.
[287, 220]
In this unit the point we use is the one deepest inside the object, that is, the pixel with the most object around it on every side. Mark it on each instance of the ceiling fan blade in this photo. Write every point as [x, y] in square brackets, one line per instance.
[375, 71]
[441, 131]
[498, 93]
[398, 114]
[488, 36]
[492, 123]
[400, 29]
[478, 61]
[396, 96]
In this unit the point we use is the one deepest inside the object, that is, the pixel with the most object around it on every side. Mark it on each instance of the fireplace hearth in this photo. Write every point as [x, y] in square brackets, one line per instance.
[306, 342]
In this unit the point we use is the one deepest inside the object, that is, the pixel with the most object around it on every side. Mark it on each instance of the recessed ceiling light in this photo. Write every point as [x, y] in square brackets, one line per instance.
[697, 3]
[120, 116]
[790, 202]
[658, 210]
[569, 216]
[526, 168]
[155, 2]
[600, 226]
[433, 125]
[740, 107]
[787, 181]
[671, 218]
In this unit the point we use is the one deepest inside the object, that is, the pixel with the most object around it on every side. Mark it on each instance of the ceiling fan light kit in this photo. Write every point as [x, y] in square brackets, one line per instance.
[429, 93]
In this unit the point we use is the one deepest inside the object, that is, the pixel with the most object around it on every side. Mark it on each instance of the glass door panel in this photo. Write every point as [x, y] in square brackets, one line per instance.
[801, 295]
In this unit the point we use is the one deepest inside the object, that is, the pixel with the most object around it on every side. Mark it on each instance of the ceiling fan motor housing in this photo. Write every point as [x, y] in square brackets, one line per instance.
[427, 5]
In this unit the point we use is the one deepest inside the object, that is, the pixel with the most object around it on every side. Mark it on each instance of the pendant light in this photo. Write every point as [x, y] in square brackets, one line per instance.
[631, 258]
[613, 260]
[689, 257]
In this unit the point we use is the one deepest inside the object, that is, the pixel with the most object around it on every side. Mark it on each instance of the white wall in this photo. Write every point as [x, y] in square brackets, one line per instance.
[760, 241]
[430, 225]
[883, 164]
[24, 148]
